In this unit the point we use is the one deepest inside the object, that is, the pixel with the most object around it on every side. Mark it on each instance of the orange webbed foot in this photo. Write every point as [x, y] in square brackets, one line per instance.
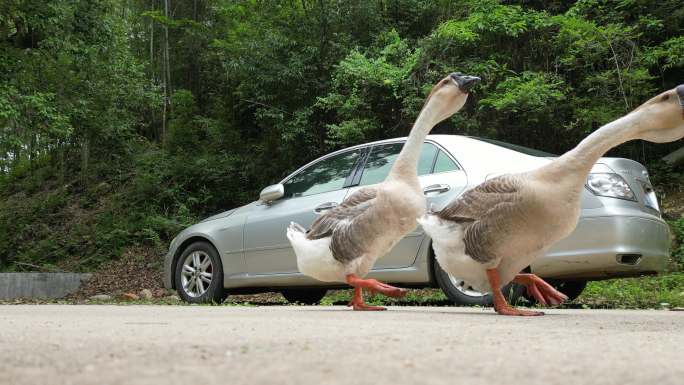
[388, 290]
[364, 307]
[544, 293]
[500, 305]
[376, 286]
[511, 311]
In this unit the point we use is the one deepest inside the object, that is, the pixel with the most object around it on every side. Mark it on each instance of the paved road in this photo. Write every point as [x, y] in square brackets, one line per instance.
[91, 344]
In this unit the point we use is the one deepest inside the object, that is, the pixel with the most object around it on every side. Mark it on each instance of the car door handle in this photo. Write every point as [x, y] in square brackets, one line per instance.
[438, 188]
[325, 206]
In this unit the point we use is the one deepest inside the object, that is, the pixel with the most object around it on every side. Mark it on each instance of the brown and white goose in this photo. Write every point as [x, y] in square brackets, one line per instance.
[493, 231]
[344, 243]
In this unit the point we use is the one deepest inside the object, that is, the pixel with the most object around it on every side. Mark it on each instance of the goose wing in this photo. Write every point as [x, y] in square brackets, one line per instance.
[483, 211]
[344, 224]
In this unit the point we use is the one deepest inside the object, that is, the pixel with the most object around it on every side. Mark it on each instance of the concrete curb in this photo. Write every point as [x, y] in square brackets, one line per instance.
[39, 285]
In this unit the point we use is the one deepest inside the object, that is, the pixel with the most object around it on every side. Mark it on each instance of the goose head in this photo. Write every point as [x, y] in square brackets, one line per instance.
[661, 119]
[449, 95]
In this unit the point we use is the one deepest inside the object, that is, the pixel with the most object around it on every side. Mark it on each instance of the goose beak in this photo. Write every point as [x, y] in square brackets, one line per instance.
[680, 94]
[465, 82]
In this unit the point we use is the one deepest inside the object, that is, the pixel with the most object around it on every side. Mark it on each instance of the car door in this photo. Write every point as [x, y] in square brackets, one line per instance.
[445, 181]
[308, 193]
[440, 177]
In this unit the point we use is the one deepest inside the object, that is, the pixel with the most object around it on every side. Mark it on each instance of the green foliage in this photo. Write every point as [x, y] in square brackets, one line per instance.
[668, 54]
[424, 297]
[537, 93]
[677, 227]
[368, 91]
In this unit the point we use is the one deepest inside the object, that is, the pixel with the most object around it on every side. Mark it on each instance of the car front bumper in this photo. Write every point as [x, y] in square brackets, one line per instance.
[168, 264]
[608, 246]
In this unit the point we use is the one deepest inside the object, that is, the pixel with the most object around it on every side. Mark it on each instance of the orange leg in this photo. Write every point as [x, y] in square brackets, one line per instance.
[544, 293]
[357, 302]
[372, 286]
[500, 305]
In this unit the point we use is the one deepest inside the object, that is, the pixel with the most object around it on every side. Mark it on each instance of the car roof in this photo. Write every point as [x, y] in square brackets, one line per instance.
[468, 151]
[481, 159]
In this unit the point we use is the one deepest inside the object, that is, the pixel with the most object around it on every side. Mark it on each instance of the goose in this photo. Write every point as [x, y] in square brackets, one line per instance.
[343, 244]
[494, 230]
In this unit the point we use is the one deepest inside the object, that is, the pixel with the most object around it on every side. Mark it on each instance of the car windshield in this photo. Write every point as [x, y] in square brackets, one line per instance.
[518, 148]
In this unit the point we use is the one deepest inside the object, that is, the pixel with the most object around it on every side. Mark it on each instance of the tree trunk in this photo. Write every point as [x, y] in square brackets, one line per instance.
[152, 40]
[62, 164]
[152, 132]
[166, 70]
[166, 48]
[85, 160]
[194, 72]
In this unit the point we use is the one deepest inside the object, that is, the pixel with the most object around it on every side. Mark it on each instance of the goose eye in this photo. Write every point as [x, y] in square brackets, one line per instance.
[665, 97]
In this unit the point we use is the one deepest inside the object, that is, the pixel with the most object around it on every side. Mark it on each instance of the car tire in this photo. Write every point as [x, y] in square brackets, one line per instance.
[572, 289]
[200, 264]
[304, 296]
[454, 289]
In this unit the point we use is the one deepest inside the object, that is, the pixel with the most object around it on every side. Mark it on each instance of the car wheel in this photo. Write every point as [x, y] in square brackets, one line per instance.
[304, 296]
[463, 295]
[199, 274]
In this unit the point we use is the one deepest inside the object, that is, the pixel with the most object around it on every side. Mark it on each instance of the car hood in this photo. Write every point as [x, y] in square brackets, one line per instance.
[218, 216]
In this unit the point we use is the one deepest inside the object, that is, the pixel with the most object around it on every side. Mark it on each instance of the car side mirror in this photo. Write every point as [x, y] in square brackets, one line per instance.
[272, 193]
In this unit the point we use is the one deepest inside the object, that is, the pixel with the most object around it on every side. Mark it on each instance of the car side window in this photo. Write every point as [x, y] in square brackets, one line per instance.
[426, 159]
[382, 158]
[444, 163]
[324, 176]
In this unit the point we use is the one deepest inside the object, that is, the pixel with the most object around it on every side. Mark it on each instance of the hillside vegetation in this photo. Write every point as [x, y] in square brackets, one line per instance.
[121, 122]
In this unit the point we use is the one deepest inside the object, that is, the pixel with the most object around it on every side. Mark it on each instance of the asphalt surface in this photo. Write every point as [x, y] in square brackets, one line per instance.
[92, 344]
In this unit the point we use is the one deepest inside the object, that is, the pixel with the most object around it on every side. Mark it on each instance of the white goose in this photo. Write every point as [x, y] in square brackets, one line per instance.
[493, 231]
[344, 243]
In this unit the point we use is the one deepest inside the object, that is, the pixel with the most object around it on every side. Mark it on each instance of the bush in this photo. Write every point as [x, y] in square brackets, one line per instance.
[677, 227]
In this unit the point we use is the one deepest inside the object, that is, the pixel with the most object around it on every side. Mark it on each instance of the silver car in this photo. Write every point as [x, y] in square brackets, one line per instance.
[244, 250]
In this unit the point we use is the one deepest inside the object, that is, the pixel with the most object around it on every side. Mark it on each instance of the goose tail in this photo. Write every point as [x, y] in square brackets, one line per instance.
[314, 257]
[295, 227]
[431, 223]
[297, 236]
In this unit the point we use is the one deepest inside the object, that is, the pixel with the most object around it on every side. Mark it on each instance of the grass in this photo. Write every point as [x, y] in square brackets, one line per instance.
[636, 293]
[418, 297]
[664, 291]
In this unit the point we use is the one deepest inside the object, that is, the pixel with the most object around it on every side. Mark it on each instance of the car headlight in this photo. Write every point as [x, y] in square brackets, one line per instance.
[610, 185]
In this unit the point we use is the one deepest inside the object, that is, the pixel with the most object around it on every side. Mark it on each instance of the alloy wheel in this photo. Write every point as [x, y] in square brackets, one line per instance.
[197, 273]
[461, 286]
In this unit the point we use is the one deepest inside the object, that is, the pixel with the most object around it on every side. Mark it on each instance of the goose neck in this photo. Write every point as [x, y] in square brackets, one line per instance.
[579, 161]
[406, 165]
